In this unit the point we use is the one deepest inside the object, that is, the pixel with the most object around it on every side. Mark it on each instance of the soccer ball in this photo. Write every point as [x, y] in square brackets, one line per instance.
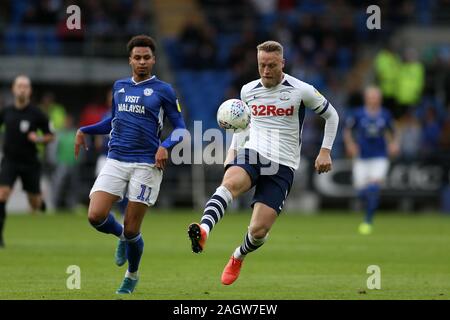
[233, 114]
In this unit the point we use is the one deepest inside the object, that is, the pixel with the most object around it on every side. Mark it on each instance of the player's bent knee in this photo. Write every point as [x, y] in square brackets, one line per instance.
[236, 186]
[259, 232]
[96, 217]
[232, 186]
[236, 180]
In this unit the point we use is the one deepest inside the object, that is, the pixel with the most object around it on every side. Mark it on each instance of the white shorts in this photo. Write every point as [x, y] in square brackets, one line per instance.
[138, 181]
[101, 160]
[366, 171]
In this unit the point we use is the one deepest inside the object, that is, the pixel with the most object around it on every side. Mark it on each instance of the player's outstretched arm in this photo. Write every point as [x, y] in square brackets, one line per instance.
[102, 127]
[80, 141]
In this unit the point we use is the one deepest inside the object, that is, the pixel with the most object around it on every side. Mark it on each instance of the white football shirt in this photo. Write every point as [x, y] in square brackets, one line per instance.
[277, 119]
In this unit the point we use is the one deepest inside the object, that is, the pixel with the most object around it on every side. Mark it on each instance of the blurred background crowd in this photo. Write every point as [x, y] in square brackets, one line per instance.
[207, 49]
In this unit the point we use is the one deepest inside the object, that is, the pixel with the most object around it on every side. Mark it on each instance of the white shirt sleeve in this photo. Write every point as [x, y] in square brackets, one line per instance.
[315, 101]
[312, 98]
[331, 125]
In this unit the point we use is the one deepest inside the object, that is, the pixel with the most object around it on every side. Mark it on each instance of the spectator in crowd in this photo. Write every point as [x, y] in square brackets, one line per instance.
[65, 177]
[387, 65]
[197, 45]
[54, 110]
[410, 82]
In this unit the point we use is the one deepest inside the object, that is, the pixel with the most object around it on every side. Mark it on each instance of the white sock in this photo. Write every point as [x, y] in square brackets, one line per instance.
[206, 227]
[215, 208]
[225, 194]
[250, 244]
[131, 275]
[238, 255]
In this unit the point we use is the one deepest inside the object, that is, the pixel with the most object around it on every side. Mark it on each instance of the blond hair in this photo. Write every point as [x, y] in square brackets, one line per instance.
[270, 46]
[372, 88]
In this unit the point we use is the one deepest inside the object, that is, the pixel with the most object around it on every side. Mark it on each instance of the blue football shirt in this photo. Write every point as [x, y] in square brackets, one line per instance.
[369, 130]
[138, 113]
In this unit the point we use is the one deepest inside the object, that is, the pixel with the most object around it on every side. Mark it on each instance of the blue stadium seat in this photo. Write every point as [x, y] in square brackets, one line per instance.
[173, 52]
[224, 44]
[202, 92]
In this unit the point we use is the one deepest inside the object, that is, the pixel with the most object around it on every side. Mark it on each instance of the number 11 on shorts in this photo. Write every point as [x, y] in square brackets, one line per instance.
[142, 194]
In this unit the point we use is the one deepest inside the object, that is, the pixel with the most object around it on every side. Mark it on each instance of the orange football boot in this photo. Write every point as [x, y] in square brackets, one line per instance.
[231, 271]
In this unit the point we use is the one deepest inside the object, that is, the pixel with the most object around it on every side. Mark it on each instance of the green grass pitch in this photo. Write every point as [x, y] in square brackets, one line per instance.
[306, 257]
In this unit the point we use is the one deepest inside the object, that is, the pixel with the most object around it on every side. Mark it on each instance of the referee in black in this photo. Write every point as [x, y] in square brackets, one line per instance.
[20, 158]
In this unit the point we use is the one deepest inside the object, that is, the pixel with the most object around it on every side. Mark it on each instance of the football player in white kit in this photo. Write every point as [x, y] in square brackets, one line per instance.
[269, 155]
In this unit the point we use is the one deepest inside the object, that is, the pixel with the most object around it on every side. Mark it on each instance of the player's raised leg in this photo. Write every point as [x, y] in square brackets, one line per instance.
[235, 182]
[263, 218]
[102, 219]
[134, 244]
[99, 214]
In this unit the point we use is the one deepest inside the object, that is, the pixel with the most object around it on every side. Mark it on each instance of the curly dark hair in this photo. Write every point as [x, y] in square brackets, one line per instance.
[141, 40]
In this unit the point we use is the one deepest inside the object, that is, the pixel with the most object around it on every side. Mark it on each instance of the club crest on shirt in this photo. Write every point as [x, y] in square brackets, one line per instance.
[284, 95]
[24, 126]
[148, 92]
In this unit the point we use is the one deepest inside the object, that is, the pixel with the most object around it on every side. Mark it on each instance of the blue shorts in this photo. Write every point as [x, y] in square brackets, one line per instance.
[273, 181]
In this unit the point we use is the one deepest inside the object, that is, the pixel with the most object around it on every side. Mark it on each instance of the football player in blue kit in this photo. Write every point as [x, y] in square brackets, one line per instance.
[369, 138]
[136, 157]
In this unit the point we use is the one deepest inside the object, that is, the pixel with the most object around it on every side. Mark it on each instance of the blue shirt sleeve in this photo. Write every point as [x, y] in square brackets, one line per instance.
[102, 127]
[172, 110]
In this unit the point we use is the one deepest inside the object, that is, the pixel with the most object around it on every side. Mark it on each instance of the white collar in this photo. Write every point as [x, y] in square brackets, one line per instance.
[282, 80]
[134, 82]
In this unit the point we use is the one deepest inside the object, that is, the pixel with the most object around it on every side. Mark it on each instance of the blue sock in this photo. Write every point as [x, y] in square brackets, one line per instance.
[110, 225]
[135, 247]
[122, 205]
[362, 195]
[372, 200]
